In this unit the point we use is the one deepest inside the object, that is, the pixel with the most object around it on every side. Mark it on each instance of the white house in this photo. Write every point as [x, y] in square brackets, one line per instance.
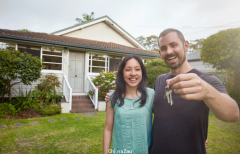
[77, 53]
[194, 59]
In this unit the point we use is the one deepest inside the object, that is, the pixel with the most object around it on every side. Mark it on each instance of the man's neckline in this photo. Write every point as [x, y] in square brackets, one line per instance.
[184, 73]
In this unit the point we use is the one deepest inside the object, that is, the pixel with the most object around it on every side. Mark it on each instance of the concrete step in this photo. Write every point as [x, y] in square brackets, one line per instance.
[80, 97]
[81, 102]
[83, 110]
[82, 106]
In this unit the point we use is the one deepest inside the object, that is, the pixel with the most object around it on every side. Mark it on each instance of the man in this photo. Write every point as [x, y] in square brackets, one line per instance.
[182, 127]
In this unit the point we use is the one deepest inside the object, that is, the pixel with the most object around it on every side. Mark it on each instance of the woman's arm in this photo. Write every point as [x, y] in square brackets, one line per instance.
[107, 136]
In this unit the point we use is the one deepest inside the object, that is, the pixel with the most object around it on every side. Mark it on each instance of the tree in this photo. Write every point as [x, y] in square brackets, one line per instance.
[3, 89]
[222, 50]
[86, 18]
[24, 30]
[196, 45]
[16, 65]
[141, 40]
[150, 42]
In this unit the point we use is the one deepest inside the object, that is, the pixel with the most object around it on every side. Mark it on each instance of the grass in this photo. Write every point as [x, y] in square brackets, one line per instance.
[223, 137]
[73, 136]
[85, 135]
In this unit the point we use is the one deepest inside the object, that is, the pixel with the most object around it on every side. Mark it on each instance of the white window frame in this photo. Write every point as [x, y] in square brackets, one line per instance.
[51, 71]
[4, 46]
[106, 61]
[41, 55]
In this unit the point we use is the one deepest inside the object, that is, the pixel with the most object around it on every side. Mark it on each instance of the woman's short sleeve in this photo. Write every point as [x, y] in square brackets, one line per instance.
[150, 98]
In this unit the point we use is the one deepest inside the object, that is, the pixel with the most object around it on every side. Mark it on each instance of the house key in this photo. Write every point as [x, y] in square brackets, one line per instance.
[168, 94]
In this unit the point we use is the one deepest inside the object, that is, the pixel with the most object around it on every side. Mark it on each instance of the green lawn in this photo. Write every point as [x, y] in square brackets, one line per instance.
[85, 135]
[223, 137]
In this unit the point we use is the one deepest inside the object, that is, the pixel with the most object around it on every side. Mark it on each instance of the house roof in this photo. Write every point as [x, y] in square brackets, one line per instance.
[194, 56]
[108, 21]
[65, 41]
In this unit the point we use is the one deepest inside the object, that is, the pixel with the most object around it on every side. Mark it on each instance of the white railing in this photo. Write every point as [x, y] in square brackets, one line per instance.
[91, 86]
[67, 91]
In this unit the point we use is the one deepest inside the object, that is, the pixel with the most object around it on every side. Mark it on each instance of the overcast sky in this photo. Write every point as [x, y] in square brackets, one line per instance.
[195, 18]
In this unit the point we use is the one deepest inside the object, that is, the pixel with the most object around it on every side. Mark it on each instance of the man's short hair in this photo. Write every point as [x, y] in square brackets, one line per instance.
[169, 30]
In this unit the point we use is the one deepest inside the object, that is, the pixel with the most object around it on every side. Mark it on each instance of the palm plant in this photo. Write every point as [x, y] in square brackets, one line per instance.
[86, 18]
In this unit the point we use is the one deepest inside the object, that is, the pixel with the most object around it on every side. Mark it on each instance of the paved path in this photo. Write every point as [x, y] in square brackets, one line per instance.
[88, 114]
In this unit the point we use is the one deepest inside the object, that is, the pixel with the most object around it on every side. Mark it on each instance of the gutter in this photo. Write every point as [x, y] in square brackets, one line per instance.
[65, 44]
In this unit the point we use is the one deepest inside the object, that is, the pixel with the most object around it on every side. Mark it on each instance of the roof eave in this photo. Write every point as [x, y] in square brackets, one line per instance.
[72, 45]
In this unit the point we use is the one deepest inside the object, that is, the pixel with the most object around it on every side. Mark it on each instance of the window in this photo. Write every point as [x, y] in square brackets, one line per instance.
[114, 63]
[4, 45]
[144, 61]
[34, 51]
[98, 62]
[52, 58]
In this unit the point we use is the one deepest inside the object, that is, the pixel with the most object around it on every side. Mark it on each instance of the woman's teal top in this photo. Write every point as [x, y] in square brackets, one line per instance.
[133, 125]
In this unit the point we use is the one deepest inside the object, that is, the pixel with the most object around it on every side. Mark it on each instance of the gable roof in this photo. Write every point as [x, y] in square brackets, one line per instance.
[65, 41]
[194, 56]
[109, 22]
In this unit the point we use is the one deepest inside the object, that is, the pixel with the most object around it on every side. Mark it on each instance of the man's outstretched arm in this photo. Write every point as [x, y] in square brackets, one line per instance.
[192, 87]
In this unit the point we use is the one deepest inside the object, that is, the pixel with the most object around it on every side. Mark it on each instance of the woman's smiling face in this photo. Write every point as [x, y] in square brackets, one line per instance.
[132, 73]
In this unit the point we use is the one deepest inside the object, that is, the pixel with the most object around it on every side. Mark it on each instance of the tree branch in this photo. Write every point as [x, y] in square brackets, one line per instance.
[15, 83]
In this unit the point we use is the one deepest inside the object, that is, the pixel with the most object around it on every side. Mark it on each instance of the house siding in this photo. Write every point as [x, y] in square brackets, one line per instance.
[200, 66]
[100, 32]
[27, 88]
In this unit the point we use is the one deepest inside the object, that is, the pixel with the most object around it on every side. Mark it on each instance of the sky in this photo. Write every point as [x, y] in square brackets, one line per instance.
[196, 19]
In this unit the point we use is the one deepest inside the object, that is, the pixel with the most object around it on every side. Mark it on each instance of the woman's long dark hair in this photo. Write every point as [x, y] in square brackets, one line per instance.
[121, 84]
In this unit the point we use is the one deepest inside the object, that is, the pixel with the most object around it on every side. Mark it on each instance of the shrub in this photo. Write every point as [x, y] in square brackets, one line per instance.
[155, 67]
[104, 82]
[233, 85]
[48, 91]
[49, 109]
[23, 102]
[3, 89]
[6, 108]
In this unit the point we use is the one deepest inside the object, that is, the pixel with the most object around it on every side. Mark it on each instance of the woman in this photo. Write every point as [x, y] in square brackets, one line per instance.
[129, 113]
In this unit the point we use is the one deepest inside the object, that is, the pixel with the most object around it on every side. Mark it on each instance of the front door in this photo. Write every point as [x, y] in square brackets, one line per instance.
[76, 71]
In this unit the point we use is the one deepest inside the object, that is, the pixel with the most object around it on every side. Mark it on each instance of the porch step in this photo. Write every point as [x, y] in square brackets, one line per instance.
[80, 97]
[82, 103]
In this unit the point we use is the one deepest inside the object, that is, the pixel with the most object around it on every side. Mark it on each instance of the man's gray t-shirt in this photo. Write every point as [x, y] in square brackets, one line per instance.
[182, 127]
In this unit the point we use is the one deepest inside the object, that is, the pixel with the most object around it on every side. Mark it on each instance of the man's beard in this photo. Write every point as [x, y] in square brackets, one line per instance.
[175, 65]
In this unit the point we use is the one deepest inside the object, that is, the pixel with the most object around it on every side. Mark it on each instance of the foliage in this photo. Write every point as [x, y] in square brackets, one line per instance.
[6, 108]
[155, 67]
[91, 92]
[105, 82]
[196, 45]
[23, 102]
[231, 80]
[16, 65]
[86, 18]
[150, 42]
[49, 109]
[48, 91]
[233, 85]
[24, 30]
[3, 89]
[222, 50]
